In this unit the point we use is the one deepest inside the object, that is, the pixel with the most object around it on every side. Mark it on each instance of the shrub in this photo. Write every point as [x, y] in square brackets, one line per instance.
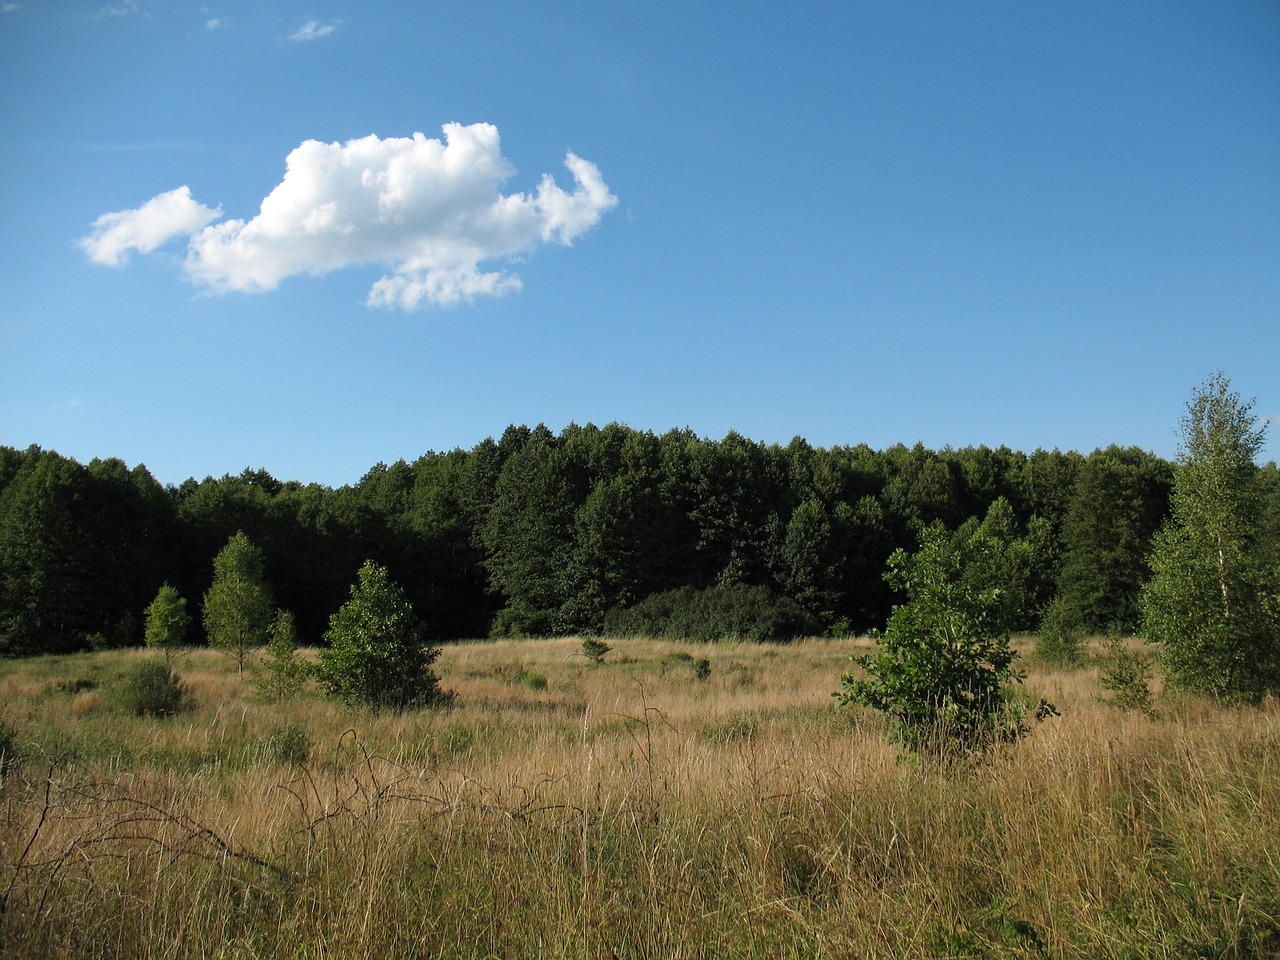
[290, 745]
[280, 672]
[378, 654]
[1062, 636]
[739, 611]
[595, 650]
[944, 661]
[150, 688]
[1126, 675]
[533, 680]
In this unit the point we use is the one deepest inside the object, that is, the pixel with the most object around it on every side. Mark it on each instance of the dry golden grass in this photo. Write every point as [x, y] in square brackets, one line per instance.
[568, 809]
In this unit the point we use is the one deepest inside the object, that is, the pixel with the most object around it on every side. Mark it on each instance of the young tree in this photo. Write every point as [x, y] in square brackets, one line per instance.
[238, 609]
[1211, 599]
[281, 671]
[167, 620]
[944, 660]
[378, 655]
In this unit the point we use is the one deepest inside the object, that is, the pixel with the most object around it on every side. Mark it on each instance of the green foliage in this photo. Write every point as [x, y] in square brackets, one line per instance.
[289, 746]
[378, 655]
[1126, 675]
[1119, 500]
[944, 660]
[238, 610]
[1061, 640]
[167, 620]
[533, 680]
[1211, 599]
[280, 672]
[738, 612]
[149, 688]
[595, 650]
[702, 668]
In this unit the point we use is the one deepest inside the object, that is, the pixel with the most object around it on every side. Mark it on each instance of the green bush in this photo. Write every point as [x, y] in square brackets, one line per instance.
[290, 745]
[149, 688]
[595, 650]
[532, 680]
[945, 666]
[739, 612]
[1126, 676]
[378, 654]
[1061, 642]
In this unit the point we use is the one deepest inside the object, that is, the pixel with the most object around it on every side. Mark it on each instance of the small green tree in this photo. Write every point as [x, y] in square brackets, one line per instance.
[281, 673]
[595, 650]
[944, 660]
[378, 655]
[1062, 638]
[167, 620]
[1210, 601]
[238, 610]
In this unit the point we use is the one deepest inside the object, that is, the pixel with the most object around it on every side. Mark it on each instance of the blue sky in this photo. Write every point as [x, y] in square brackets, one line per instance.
[1030, 224]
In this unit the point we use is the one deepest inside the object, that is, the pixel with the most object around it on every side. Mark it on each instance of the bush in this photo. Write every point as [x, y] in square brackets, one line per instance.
[740, 612]
[280, 673]
[1126, 675]
[290, 745]
[595, 650]
[378, 655]
[1062, 636]
[945, 665]
[150, 688]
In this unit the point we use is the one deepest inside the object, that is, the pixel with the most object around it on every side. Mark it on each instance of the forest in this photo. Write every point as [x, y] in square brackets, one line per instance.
[542, 534]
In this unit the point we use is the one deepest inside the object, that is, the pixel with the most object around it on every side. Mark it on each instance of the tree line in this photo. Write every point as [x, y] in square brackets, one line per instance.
[538, 533]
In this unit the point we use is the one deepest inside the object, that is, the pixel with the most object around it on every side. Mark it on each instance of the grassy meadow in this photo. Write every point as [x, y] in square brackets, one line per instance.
[626, 809]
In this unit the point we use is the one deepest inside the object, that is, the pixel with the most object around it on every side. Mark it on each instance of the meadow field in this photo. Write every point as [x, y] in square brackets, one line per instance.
[567, 809]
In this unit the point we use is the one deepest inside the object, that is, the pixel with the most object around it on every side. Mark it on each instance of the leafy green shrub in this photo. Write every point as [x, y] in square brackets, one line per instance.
[944, 660]
[532, 680]
[149, 688]
[595, 650]
[1126, 675]
[739, 611]
[378, 655]
[290, 745]
[280, 672]
[1062, 636]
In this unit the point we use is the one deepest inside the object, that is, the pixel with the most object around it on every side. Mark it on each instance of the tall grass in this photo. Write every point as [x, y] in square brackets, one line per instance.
[625, 809]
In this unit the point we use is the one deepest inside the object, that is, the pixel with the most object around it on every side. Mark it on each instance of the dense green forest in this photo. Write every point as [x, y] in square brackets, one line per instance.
[543, 534]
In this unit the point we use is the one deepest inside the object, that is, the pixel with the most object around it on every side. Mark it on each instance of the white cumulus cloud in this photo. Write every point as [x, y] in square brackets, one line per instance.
[430, 211]
[314, 30]
[147, 228]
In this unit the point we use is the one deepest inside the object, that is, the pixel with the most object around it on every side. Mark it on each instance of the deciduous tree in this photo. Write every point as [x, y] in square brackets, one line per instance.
[167, 620]
[378, 655]
[944, 660]
[238, 609]
[1211, 599]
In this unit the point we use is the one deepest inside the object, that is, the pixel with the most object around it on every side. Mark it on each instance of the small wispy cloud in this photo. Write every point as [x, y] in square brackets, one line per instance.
[433, 212]
[212, 24]
[314, 30]
[122, 10]
[10, 7]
